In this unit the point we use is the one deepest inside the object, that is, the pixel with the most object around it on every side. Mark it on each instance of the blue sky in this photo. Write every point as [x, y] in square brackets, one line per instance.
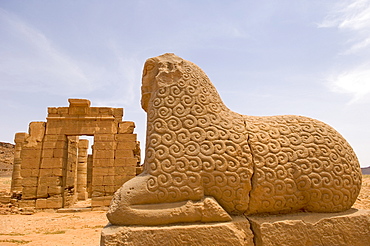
[303, 57]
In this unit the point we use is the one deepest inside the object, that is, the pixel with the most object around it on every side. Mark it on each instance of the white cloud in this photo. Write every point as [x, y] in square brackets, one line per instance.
[353, 14]
[352, 17]
[355, 82]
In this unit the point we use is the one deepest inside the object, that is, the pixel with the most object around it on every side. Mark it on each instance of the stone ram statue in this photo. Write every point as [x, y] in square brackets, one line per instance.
[204, 162]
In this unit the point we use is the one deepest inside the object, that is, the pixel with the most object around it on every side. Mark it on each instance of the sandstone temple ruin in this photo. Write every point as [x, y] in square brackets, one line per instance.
[52, 167]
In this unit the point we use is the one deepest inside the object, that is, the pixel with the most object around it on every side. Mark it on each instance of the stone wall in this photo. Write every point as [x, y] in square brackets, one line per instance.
[52, 168]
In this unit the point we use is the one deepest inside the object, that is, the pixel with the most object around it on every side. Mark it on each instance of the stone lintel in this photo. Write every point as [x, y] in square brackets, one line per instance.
[75, 102]
[78, 117]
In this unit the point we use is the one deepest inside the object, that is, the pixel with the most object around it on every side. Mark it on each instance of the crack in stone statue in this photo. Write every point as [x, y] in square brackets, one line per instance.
[204, 162]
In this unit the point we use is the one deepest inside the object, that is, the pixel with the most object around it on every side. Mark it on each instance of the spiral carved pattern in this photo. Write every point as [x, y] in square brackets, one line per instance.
[300, 163]
[197, 147]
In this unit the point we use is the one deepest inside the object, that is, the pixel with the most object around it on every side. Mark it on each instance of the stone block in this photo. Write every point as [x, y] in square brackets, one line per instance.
[46, 172]
[97, 180]
[54, 138]
[125, 162]
[98, 191]
[82, 196]
[125, 171]
[20, 137]
[57, 171]
[105, 111]
[29, 181]
[30, 153]
[60, 144]
[51, 172]
[126, 145]
[54, 153]
[118, 113]
[126, 137]
[124, 153]
[54, 202]
[107, 127]
[42, 191]
[52, 163]
[51, 181]
[102, 201]
[351, 227]
[120, 171]
[55, 190]
[54, 130]
[41, 203]
[108, 180]
[52, 110]
[104, 145]
[103, 162]
[31, 163]
[104, 138]
[29, 172]
[103, 171]
[29, 192]
[26, 203]
[131, 162]
[126, 127]
[234, 233]
[110, 189]
[119, 180]
[104, 154]
[48, 153]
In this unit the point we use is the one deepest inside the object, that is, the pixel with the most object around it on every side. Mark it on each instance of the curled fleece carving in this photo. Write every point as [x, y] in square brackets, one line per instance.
[204, 162]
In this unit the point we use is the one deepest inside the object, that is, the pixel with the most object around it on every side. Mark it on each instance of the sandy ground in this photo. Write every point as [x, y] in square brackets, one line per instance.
[50, 228]
[82, 228]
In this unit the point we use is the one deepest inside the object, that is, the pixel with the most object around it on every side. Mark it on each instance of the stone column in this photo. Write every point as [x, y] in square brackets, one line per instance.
[83, 146]
[70, 183]
[89, 172]
[16, 186]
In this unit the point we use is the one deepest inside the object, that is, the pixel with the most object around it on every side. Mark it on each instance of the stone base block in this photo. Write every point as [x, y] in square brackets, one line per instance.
[236, 233]
[26, 203]
[351, 227]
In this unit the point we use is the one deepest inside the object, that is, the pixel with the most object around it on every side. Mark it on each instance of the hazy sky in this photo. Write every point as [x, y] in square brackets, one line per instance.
[304, 57]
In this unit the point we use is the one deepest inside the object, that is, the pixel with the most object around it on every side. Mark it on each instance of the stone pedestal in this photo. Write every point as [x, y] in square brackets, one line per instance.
[351, 227]
[235, 233]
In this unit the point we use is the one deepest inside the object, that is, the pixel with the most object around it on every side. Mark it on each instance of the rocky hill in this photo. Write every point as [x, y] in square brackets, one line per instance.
[365, 170]
[6, 158]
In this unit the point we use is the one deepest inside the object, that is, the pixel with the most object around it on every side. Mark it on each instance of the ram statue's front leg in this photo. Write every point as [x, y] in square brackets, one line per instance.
[134, 204]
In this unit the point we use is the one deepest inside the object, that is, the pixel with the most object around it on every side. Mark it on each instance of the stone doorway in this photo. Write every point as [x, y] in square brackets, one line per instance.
[51, 164]
[78, 172]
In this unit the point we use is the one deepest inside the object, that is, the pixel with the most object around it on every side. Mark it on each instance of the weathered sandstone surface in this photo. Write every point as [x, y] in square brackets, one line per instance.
[235, 233]
[351, 227]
